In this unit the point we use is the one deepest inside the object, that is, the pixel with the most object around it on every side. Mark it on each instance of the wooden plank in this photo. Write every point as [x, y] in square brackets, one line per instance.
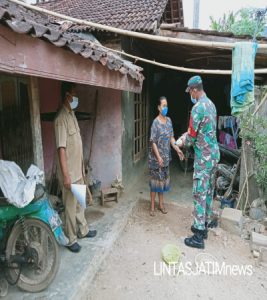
[109, 191]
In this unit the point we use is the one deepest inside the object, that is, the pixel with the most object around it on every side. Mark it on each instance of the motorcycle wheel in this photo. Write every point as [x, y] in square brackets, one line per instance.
[3, 287]
[43, 262]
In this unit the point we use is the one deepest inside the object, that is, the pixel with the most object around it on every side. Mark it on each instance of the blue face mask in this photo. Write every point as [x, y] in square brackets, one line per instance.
[193, 100]
[74, 103]
[164, 111]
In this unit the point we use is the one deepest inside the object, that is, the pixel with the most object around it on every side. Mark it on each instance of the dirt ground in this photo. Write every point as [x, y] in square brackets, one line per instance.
[134, 268]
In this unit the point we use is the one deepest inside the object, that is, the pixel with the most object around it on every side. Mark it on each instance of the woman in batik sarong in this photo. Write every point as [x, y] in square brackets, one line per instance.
[161, 140]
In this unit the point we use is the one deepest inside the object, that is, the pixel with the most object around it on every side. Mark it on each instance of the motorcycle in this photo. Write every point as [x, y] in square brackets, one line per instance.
[29, 237]
[227, 173]
[227, 176]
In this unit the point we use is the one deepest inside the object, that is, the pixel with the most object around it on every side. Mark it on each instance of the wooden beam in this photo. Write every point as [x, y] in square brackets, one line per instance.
[36, 123]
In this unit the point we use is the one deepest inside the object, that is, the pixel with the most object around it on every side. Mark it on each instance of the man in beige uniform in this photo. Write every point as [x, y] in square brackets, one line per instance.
[70, 166]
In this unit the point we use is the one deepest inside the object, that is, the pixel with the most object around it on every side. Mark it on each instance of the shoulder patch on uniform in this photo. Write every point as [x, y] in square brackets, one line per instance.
[191, 131]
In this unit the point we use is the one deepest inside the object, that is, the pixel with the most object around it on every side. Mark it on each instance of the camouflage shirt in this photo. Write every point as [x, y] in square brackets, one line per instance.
[202, 135]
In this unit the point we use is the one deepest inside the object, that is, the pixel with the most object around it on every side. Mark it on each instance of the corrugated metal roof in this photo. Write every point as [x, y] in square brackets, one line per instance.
[212, 33]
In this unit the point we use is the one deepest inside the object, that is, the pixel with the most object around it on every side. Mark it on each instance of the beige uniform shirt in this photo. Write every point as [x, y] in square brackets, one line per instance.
[67, 134]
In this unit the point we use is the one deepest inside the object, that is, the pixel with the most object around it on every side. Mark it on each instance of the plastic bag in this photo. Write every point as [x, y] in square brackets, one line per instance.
[171, 254]
[18, 189]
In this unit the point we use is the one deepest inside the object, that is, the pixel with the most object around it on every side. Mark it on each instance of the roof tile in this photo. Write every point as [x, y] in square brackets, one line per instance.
[39, 29]
[53, 35]
[19, 26]
[22, 20]
[125, 14]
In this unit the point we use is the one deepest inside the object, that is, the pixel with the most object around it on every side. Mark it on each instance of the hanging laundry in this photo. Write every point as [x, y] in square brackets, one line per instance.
[228, 127]
[230, 141]
[226, 122]
[242, 89]
[222, 137]
[227, 139]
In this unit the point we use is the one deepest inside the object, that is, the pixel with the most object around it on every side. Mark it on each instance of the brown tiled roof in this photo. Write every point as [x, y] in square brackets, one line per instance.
[25, 21]
[135, 15]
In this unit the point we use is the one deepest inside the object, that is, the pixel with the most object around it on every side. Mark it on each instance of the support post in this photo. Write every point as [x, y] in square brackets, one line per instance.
[36, 123]
[196, 14]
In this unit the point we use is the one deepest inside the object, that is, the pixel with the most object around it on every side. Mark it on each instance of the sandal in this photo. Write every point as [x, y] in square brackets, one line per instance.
[152, 213]
[163, 210]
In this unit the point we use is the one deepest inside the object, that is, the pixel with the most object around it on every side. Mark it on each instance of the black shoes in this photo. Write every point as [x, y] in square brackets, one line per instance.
[212, 224]
[205, 231]
[90, 234]
[196, 241]
[75, 248]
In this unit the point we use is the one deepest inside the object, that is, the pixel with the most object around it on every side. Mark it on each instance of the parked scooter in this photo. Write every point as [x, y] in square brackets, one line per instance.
[29, 255]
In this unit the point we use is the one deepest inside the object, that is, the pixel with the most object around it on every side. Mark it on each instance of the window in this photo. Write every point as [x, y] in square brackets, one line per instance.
[174, 12]
[140, 126]
[15, 124]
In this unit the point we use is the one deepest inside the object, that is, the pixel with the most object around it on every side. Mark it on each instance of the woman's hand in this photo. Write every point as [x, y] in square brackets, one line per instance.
[160, 161]
[180, 153]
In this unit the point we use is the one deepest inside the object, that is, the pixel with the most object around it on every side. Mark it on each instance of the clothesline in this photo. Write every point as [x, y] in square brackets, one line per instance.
[224, 45]
[149, 37]
[183, 69]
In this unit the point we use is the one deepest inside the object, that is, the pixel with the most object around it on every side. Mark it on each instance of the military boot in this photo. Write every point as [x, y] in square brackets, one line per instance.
[205, 231]
[196, 241]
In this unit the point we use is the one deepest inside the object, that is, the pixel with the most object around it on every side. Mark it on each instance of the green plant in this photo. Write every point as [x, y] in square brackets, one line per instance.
[242, 22]
[254, 133]
[224, 24]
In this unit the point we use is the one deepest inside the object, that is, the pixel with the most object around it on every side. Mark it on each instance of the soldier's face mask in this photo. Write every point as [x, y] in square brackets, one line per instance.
[193, 100]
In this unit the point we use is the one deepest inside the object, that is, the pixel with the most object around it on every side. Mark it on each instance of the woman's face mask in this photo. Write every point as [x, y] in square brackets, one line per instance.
[164, 111]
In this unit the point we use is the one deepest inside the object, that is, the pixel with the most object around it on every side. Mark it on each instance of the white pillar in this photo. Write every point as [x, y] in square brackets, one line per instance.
[196, 14]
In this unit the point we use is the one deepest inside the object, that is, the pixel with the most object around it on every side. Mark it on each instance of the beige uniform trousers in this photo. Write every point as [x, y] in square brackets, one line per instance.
[75, 222]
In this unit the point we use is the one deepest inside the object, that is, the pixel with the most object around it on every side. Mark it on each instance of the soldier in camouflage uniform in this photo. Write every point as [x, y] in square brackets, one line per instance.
[201, 135]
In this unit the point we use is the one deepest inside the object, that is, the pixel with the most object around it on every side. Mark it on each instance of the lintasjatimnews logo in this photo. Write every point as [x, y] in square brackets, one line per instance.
[203, 264]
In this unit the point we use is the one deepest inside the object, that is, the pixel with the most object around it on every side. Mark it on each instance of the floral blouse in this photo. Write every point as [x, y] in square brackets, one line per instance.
[161, 135]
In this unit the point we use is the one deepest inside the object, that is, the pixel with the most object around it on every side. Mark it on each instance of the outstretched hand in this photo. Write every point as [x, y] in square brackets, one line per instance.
[180, 153]
[181, 141]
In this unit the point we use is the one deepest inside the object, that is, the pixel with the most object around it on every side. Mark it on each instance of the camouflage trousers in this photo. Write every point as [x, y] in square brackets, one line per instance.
[203, 191]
